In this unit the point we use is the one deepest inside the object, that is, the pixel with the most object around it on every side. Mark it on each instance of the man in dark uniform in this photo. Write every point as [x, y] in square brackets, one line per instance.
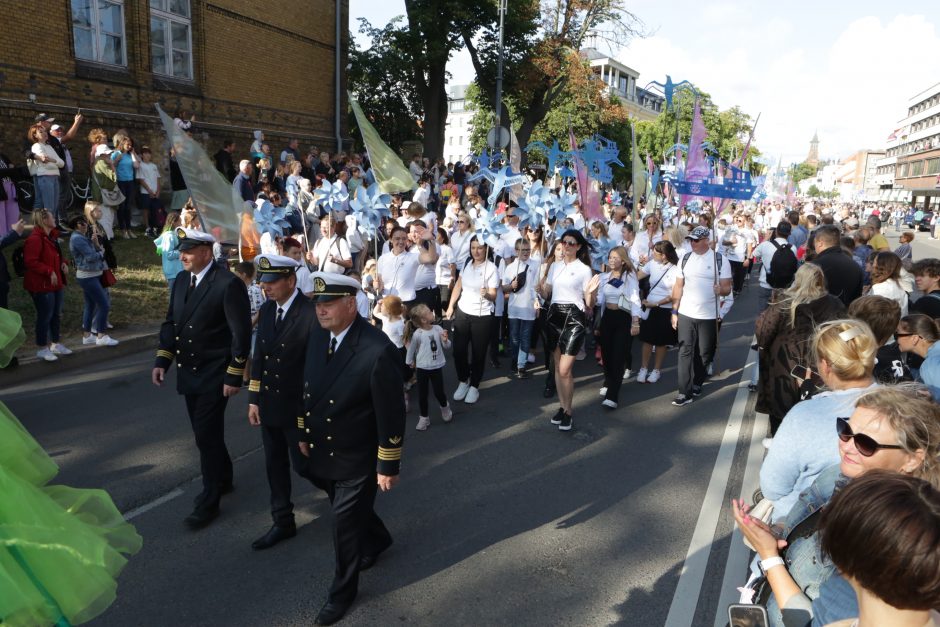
[275, 393]
[208, 331]
[354, 411]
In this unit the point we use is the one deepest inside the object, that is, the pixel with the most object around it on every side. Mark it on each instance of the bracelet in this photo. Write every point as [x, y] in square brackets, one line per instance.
[770, 562]
[675, 311]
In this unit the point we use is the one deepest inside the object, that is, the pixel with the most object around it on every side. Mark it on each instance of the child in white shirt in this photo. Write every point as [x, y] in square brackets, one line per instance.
[426, 344]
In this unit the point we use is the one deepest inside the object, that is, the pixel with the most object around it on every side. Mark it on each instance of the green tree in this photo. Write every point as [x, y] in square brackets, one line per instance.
[379, 80]
[813, 191]
[802, 171]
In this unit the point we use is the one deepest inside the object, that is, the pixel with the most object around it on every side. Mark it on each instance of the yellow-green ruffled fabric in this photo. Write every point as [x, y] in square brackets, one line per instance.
[12, 335]
[61, 548]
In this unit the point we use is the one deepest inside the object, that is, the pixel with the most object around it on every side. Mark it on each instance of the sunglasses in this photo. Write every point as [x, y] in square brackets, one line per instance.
[864, 444]
[568, 242]
[898, 336]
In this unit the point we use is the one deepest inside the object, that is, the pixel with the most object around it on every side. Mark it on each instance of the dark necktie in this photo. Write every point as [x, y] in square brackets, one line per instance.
[280, 318]
[190, 289]
[329, 353]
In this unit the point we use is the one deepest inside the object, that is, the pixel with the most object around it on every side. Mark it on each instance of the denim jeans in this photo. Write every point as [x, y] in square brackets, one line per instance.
[520, 340]
[97, 304]
[48, 315]
[47, 195]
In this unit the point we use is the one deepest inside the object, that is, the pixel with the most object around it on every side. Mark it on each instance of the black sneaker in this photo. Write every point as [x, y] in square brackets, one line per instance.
[565, 424]
[696, 390]
[556, 419]
[681, 400]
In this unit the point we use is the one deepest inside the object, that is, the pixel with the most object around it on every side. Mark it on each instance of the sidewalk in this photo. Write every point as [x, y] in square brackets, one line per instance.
[133, 339]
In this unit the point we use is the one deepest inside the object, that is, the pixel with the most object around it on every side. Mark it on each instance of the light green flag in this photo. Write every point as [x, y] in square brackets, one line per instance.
[389, 170]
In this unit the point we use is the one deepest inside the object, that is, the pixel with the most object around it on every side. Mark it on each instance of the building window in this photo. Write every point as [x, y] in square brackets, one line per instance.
[171, 43]
[98, 29]
[933, 166]
[917, 168]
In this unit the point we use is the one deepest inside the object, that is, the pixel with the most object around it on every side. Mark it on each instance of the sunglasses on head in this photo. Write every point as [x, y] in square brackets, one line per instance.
[864, 444]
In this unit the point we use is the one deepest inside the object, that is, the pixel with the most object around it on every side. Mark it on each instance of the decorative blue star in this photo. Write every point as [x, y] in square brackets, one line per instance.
[502, 179]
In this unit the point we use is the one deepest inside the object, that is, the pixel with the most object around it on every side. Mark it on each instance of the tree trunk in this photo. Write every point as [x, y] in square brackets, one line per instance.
[435, 112]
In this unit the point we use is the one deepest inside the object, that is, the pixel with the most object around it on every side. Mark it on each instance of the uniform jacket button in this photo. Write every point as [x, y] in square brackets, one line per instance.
[308, 413]
[328, 420]
[331, 401]
[329, 437]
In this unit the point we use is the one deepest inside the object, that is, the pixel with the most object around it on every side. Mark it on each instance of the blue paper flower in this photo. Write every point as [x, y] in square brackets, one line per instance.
[331, 196]
[534, 205]
[489, 227]
[270, 219]
[369, 207]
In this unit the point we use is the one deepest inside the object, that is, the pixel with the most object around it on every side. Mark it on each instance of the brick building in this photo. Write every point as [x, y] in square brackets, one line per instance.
[238, 65]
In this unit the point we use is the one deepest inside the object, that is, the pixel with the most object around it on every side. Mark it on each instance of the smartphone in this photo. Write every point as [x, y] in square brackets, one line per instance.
[802, 373]
[747, 615]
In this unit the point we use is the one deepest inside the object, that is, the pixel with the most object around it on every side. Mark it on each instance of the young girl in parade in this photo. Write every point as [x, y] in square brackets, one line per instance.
[426, 343]
[390, 312]
[167, 249]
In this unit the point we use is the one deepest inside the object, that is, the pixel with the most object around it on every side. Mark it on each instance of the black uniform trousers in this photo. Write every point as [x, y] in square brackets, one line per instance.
[738, 274]
[616, 344]
[471, 337]
[357, 530]
[280, 453]
[698, 340]
[207, 416]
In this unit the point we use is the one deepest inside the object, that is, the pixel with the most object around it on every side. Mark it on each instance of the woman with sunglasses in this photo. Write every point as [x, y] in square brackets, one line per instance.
[573, 289]
[619, 302]
[892, 428]
[803, 447]
[460, 239]
[918, 334]
[782, 331]
[642, 249]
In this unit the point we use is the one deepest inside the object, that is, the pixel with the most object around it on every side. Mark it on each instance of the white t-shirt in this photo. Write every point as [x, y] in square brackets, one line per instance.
[734, 243]
[472, 278]
[304, 280]
[643, 245]
[394, 329]
[335, 246]
[398, 274]
[569, 281]
[442, 272]
[522, 303]
[510, 237]
[662, 278]
[421, 196]
[426, 273]
[460, 245]
[149, 173]
[698, 296]
[426, 348]
[765, 252]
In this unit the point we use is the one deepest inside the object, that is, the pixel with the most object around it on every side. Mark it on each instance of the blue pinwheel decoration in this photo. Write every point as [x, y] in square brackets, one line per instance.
[489, 228]
[533, 205]
[600, 251]
[561, 205]
[331, 196]
[369, 207]
[270, 219]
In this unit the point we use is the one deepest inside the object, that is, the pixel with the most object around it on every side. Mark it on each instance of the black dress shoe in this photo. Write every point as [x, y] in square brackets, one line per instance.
[548, 392]
[330, 613]
[368, 561]
[495, 363]
[274, 535]
[227, 488]
[201, 517]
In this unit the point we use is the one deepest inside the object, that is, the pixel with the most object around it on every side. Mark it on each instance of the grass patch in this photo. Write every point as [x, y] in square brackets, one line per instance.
[138, 299]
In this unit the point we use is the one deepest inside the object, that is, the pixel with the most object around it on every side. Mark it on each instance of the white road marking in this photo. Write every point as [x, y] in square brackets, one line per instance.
[689, 588]
[146, 507]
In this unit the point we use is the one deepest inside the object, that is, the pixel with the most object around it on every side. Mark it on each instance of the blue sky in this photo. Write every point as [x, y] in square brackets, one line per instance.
[846, 71]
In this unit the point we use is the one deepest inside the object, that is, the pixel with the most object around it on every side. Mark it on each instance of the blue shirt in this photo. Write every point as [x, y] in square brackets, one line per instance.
[930, 371]
[124, 166]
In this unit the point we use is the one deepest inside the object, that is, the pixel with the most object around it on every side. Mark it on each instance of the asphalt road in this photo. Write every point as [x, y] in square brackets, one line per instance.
[499, 519]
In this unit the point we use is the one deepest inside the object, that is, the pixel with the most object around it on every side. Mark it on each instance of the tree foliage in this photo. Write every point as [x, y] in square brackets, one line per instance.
[802, 171]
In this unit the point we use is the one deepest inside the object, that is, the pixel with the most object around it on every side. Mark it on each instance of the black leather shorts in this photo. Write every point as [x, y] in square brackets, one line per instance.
[565, 328]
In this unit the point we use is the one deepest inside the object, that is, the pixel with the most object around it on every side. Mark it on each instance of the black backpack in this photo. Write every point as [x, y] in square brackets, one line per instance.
[19, 261]
[782, 267]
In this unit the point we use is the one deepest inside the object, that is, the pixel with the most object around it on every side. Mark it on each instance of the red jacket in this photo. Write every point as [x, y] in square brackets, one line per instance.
[42, 256]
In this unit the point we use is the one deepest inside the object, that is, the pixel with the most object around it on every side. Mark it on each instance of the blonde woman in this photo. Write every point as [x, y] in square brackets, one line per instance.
[803, 447]
[676, 235]
[784, 334]
[619, 299]
[460, 240]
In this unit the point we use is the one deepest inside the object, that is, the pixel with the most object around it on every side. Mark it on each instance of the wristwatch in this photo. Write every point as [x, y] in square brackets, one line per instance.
[770, 562]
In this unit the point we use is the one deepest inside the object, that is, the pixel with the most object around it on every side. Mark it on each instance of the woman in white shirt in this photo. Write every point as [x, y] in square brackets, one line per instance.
[642, 247]
[573, 289]
[444, 271]
[460, 240]
[471, 309]
[619, 300]
[397, 269]
[656, 318]
[331, 252]
[885, 279]
[45, 167]
[520, 282]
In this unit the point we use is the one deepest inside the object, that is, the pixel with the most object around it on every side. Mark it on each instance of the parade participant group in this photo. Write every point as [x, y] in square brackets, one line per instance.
[341, 335]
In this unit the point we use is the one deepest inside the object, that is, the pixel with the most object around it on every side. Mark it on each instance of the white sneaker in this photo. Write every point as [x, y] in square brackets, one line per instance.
[446, 414]
[609, 404]
[106, 340]
[711, 369]
[423, 423]
[627, 374]
[473, 395]
[641, 376]
[766, 442]
[653, 376]
[89, 340]
[46, 354]
[59, 349]
[530, 358]
[461, 392]
[602, 391]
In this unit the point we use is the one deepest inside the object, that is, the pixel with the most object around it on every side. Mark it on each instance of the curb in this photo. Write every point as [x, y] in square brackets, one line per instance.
[31, 368]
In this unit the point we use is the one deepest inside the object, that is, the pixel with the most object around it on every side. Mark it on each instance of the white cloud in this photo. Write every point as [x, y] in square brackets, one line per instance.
[852, 89]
